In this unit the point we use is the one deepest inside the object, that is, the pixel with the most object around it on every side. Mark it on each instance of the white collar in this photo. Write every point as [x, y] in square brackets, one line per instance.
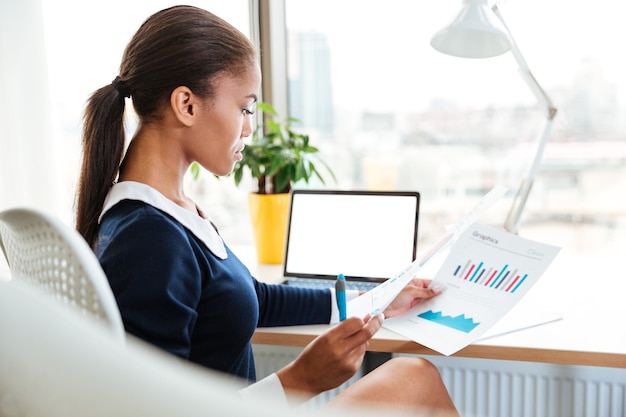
[202, 228]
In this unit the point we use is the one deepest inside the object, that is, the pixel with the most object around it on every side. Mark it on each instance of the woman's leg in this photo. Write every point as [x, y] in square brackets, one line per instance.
[410, 384]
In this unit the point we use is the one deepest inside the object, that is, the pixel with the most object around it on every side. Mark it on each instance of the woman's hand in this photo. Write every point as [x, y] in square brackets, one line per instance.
[331, 358]
[415, 291]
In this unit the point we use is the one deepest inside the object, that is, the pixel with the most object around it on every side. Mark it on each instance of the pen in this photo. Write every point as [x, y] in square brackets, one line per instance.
[340, 292]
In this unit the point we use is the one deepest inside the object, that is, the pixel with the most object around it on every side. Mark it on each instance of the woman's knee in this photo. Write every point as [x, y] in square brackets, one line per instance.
[413, 367]
[408, 383]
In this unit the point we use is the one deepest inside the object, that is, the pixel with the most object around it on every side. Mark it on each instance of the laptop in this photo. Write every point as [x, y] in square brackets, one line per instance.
[368, 236]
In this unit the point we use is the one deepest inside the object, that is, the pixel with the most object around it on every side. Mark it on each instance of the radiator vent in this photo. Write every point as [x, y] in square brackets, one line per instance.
[495, 388]
[490, 388]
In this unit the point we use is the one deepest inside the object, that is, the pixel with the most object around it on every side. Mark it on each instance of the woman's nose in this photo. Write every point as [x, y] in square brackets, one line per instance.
[246, 129]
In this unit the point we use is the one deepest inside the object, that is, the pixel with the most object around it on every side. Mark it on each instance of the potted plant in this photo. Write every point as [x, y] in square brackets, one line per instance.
[277, 158]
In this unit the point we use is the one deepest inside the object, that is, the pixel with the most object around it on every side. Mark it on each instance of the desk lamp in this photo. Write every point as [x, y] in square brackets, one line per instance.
[480, 32]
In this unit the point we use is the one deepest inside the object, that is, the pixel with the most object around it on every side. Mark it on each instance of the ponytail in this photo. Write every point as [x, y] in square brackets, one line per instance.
[103, 148]
[181, 45]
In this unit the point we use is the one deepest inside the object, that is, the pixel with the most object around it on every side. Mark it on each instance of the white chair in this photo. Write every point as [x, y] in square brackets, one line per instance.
[54, 362]
[52, 257]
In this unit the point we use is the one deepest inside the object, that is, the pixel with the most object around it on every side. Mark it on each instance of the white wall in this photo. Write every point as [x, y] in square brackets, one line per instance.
[28, 152]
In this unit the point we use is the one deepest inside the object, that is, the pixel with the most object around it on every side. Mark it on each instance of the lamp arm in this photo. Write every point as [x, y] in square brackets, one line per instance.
[512, 221]
[519, 201]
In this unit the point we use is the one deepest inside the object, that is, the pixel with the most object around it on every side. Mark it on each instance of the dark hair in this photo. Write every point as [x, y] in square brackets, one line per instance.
[178, 46]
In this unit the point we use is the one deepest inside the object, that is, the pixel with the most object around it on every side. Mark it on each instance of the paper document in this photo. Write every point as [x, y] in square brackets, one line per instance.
[377, 299]
[520, 319]
[485, 274]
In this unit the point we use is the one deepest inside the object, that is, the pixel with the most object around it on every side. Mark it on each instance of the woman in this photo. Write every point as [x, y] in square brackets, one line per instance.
[194, 80]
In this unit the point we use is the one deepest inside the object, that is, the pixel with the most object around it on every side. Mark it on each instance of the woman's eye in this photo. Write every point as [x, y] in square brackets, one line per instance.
[248, 112]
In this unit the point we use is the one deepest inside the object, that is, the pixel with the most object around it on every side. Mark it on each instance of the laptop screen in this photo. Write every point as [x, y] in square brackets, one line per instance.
[365, 235]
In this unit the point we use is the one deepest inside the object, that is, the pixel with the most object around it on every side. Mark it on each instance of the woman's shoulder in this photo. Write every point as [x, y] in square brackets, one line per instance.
[135, 215]
[135, 228]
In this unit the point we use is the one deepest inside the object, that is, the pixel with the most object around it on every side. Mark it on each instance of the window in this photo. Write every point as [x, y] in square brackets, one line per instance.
[390, 112]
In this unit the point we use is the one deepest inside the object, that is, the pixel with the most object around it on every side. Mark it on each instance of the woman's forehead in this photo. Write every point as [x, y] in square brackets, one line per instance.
[245, 83]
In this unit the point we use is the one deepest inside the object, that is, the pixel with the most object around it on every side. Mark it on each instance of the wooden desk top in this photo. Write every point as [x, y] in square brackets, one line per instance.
[587, 291]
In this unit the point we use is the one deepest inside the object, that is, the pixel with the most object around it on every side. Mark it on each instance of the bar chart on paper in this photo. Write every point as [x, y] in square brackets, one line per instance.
[500, 277]
[485, 274]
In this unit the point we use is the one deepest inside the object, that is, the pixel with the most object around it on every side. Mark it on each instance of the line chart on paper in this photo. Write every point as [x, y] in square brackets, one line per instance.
[460, 322]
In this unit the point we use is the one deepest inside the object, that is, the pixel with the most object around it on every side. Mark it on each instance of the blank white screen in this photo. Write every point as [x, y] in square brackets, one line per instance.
[356, 235]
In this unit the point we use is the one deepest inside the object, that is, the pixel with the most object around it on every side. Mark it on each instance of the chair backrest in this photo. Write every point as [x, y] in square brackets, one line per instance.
[55, 363]
[49, 255]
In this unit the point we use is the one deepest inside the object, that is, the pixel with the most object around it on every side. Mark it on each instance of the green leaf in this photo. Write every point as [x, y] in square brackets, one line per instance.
[195, 170]
[279, 153]
[238, 176]
[266, 108]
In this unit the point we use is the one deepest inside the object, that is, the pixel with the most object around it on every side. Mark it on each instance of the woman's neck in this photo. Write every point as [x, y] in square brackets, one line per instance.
[154, 159]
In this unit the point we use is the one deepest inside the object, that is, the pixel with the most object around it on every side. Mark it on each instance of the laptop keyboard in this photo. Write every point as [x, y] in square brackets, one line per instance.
[328, 283]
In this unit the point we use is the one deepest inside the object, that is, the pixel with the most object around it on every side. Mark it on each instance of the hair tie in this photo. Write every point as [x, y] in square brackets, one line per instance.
[120, 86]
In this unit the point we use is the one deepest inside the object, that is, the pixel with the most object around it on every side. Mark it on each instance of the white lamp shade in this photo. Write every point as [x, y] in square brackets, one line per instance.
[475, 33]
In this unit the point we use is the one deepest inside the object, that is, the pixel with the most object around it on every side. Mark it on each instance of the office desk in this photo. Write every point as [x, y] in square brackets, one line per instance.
[591, 332]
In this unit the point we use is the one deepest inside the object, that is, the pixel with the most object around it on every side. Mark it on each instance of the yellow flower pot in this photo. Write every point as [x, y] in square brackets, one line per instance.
[269, 213]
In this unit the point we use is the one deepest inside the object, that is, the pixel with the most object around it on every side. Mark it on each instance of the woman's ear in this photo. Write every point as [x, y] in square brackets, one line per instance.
[183, 103]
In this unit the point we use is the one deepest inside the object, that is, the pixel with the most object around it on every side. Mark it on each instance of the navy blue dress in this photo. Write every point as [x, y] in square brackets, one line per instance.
[173, 292]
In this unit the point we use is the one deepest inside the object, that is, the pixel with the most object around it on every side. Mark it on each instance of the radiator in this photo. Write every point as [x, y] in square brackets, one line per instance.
[495, 388]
